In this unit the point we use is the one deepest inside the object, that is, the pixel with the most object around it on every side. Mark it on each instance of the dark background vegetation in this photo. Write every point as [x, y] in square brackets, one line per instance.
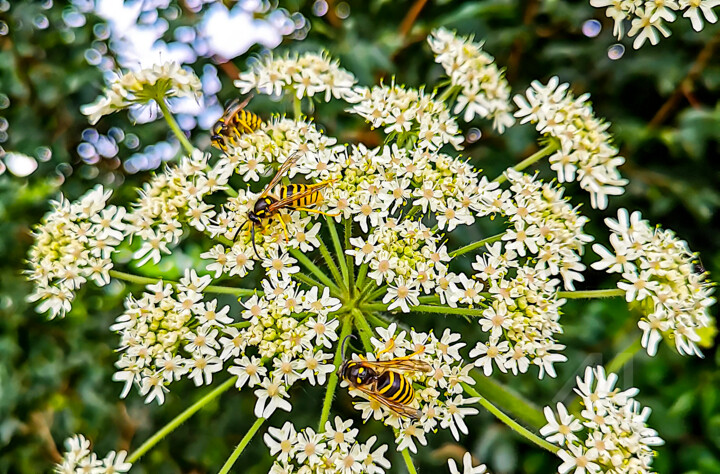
[663, 101]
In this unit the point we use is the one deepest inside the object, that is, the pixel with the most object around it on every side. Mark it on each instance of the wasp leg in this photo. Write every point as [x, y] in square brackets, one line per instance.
[329, 214]
[389, 346]
[282, 223]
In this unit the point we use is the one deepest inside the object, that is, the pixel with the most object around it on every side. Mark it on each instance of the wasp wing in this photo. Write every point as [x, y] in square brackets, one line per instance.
[400, 365]
[292, 159]
[400, 409]
[296, 197]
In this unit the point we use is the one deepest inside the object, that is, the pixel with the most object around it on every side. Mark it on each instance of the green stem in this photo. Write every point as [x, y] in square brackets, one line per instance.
[363, 328]
[333, 379]
[307, 280]
[408, 461]
[178, 420]
[477, 244]
[514, 425]
[412, 212]
[377, 320]
[297, 107]
[361, 276]
[314, 269]
[141, 280]
[175, 127]
[429, 299]
[508, 400]
[449, 90]
[338, 250]
[349, 259]
[240, 447]
[331, 265]
[530, 160]
[623, 357]
[610, 293]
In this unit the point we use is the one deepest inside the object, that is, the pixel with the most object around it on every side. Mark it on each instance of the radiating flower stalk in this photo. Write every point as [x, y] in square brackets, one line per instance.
[379, 259]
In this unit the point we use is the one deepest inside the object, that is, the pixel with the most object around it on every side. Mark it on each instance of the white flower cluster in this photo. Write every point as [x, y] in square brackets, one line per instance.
[140, 87]
[73, 244]
[171, 199]
[407, 256]
[648, 16]
[545, 240]
[333, 451]
[378, 182]
[658, 270]
[522, 315]
[411, 115]
[585, 154]
[440, 401]
[483, 89]
[306, 75]
[287, 328]
[169, 333]
[80, 460]
[545, 227]
[611, 434]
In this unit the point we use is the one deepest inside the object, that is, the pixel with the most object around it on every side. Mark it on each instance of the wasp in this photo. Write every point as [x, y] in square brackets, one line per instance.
[384, 381]
[235, 121]
[294, 197]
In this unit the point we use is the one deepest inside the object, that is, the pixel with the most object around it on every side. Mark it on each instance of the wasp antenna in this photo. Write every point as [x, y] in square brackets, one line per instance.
[342, 347]
[237, 232]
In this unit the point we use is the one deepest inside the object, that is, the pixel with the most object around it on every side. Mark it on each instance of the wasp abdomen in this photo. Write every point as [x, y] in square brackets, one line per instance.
[245, 122]
[306, 201]
[395, 387]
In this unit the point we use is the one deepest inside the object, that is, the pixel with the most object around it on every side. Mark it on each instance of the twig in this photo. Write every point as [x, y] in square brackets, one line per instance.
[410, 18]
[701, 61]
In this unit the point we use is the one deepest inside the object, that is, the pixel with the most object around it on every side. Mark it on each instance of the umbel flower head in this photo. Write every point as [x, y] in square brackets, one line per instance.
[80, 459]
[585, 153]
[658, 271]
[611, 433]
[136, 88]
[73, 244]
[391, 213]
[648, 17]
[306, 75]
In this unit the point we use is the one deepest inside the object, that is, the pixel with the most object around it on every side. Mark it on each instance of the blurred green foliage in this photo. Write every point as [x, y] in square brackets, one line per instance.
[663, 101]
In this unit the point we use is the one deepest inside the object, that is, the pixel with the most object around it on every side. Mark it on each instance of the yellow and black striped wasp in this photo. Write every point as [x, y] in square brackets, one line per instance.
[384, 381]
[294, 197]
[235, 122]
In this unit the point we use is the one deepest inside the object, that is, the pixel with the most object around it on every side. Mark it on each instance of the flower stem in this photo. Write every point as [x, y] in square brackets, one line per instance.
[548, 149]
[349, 258]
[623, 357]
[338, 250]
[175, 127]
[514, 425]
[307, 280]
[297, 107]
[508, 400]
[333, 379]
[240, 447]
[361, 276]
[611, 293]
[178, 420]
[331, 265]
[408, 461]
[377, 320]
[314, 269]
[363, 328]
[141, 280]
[477, 244]
[449, 90]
